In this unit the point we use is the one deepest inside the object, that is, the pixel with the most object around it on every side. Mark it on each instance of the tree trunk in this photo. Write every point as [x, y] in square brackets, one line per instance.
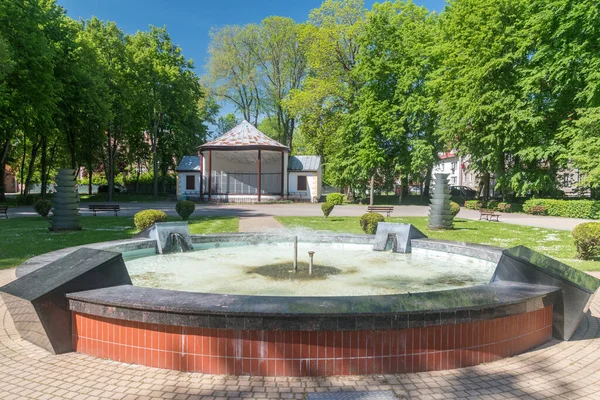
[34, 150]
[372, 190]
[155, 162]
[427, 186]
[486, 187]
[22, 172]
[137, 178]
[109, 172]
[90, 180]
[44, 165]
[3, 158]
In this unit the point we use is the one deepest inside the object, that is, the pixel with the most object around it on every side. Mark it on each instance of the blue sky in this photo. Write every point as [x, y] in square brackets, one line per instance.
[189, 21]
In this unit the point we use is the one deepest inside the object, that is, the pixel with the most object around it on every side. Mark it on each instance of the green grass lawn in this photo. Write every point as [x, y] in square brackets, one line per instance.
[23, 238]
[554, 243]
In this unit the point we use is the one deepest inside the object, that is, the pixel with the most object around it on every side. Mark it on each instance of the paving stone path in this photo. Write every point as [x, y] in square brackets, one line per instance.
[558, 370]
[259, 224]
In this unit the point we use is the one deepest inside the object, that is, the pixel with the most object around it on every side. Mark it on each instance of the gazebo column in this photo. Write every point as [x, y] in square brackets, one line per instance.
[282, 173]
[259, 168]
[209, 175]
[201, 174]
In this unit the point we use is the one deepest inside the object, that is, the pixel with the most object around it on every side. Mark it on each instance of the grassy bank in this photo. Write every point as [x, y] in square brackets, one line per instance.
[554, 243]
[23, 238]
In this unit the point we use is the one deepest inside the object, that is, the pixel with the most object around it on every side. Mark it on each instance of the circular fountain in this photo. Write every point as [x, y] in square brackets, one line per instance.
[242, 304]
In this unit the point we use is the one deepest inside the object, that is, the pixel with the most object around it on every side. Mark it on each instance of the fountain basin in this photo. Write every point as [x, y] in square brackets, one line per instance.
[246, 334]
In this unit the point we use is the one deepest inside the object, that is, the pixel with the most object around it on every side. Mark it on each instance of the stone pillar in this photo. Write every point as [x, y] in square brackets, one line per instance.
[65, 213]
[440, 216]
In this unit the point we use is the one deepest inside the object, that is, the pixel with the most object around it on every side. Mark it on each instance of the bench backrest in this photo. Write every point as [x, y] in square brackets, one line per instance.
[104, 207]
[380, 207]
[3, 208]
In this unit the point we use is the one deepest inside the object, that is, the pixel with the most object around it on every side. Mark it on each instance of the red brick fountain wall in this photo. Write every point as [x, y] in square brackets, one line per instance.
[301, 353]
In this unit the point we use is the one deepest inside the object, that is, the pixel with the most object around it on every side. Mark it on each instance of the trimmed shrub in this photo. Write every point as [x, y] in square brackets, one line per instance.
[43, 207]
[145, 219]
[503, 207]
[369, 222]
[454, 208]
[587, 240]
[327, 208]
[473, 204]
[185, 208]
[492, 205]
[27, 200]
[335, 198]
[566, 208]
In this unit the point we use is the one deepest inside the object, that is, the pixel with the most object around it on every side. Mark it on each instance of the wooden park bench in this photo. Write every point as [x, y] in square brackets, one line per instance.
[104, 207]
[4, 210]
[381, 209]
[488, 214]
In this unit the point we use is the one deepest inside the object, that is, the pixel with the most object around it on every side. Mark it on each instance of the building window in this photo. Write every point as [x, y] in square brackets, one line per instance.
[301, 182]
[453, 180]
[190, 182]
[566, 180]
[453, 166]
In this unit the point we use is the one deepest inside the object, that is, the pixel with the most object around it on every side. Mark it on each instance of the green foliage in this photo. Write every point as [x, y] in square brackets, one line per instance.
[369, 222]
[185, 208]
[226, 123]
[492, 204]
[335, 198]
[566, 208]
[144, 219]
[454, 208]
[43, 207]
[473, 204]
[27, 199]
[587, 240]
[327, 208]
[503, 207]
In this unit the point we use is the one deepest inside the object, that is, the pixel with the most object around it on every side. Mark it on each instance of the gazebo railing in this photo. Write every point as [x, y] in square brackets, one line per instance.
[244, 183]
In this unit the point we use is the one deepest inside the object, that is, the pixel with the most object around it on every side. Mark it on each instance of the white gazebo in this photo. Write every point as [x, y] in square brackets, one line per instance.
[243, 165]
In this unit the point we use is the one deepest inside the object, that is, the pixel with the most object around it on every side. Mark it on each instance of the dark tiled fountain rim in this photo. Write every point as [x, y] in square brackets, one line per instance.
[310, 313]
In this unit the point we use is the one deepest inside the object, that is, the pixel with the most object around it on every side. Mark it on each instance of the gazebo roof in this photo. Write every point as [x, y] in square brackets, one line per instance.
[244, 137]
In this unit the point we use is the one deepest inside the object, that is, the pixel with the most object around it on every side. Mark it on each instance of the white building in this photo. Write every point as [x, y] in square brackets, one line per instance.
[245, 165]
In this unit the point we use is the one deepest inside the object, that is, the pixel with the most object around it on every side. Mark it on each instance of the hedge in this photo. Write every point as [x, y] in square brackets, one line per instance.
[335, 198]
[589, 209]
[185, 208]
[144, 219]
[454, 208]
[369, 222]
[327, 208]
[587, 240]
[473, 204]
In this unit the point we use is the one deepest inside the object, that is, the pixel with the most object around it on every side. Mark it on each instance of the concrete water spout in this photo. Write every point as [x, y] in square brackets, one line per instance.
[295, 254]
[310, 262]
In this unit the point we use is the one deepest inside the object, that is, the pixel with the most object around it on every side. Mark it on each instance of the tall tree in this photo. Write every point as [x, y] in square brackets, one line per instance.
[276, 45]
[171, 94]
[484, 113]
[331, 40]
[232, 71]
[226, 123]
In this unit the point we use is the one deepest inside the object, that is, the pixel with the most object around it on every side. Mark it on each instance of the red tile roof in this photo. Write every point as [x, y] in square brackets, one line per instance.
[243, 135]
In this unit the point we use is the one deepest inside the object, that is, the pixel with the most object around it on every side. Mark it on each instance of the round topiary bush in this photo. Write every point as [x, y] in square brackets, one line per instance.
[327, 208]
[369, 222]
[454, 208]
[335, 198]
[145, 219]
[43, 207]
[185, 208]
[587, 240]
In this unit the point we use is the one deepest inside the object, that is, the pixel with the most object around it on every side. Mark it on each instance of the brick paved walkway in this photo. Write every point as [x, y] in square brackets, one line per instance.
[259, 224]
[558, 370]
